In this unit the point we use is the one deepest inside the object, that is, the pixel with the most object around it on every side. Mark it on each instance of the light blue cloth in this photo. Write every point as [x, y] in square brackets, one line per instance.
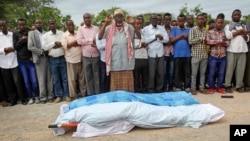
[161, 99]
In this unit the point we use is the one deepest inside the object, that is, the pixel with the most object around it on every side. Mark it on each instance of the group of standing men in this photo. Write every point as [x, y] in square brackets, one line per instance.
[183, 56]
[121, 56]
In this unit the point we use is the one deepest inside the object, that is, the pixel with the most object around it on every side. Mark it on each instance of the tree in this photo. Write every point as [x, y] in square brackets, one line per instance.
[102, 15]
[184, 10]
[196, 10]
[193, 11]
[31, 10]
[246, 18]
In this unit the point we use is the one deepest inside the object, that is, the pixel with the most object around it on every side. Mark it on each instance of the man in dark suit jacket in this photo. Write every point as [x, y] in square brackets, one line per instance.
[41, 61]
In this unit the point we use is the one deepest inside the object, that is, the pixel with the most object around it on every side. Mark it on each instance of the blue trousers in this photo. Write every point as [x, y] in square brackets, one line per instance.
[28, 72]
[169, 73]
[216, 66]
[59, 76]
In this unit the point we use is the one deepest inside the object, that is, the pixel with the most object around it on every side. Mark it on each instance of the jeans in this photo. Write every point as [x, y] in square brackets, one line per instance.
[218, 66]
[59, 76]
[28, 72]
[169, 73]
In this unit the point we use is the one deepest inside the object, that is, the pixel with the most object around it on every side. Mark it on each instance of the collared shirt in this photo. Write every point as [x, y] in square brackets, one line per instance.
[140, 52]
[21, 45]
[7, 61]
[85, 38]
[101, 44]
[155, 46]
[181, 47]
[73, 54]
[237, 43]
[213, 38]
[119, 54]
[49, 39]
[196, 39]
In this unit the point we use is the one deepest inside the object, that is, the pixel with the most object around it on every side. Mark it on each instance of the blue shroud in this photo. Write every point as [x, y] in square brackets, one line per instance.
[161, 99]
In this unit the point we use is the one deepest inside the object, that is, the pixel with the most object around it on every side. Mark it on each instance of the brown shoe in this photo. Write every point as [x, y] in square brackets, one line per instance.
[5, 104]
[57, 100]
[204, 91]
[194, 92]
[68, 99]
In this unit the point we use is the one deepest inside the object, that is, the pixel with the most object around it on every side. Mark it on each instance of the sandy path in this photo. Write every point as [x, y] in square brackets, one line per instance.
[30, 123]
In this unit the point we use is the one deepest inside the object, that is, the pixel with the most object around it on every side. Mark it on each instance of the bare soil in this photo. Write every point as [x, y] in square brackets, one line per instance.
[30, 123]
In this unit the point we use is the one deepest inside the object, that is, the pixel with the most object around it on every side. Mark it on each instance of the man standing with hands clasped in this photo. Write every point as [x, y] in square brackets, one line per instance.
[41, 61]
[236, 52]
[86, 38]
[155, 35]
[199, 60]
[73, 55]
[9, 67]
[52, 43]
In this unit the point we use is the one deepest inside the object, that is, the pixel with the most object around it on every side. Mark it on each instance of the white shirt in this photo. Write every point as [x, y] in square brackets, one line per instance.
[155, 49]
[237, 43]
[140, 52]
[7, 61]
[101, 44]
[49, 40]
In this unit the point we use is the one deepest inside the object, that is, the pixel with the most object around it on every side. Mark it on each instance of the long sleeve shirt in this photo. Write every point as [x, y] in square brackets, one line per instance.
[155, 46]
[140, 52]
[85, 38]
[7, 61]
[237, 43]
[73, 54]
[196, 39]
[101, 44]
[21, 45]
[49, 40]
[214, 38]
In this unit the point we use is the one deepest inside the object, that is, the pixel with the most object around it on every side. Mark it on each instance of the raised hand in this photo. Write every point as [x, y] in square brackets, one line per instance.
[108, 19]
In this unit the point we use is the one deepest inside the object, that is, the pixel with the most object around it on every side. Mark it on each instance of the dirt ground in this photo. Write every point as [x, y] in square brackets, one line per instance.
[30, 123]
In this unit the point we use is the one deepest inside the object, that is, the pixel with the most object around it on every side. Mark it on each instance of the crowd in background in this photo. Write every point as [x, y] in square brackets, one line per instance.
[38, 66]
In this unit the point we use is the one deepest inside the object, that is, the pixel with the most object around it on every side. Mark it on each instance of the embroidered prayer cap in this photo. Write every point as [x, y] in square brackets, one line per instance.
[118, 11]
